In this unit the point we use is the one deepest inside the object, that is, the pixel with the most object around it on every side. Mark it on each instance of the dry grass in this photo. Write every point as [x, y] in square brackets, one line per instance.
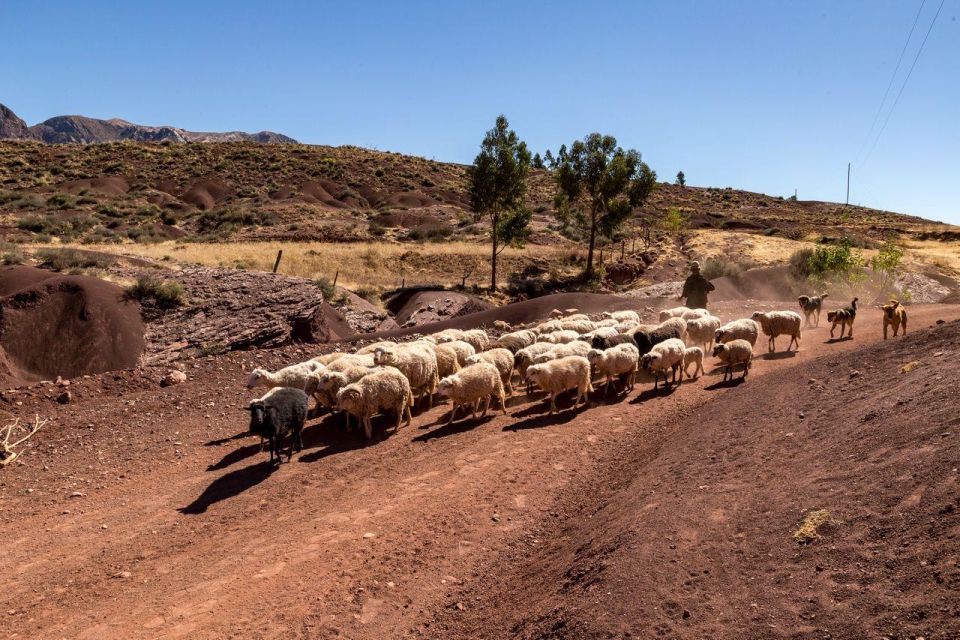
[745, 247]
[808, 531]
[367, 264]
[939, 253]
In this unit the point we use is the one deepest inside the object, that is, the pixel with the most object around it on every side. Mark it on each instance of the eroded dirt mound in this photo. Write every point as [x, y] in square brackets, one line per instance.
[204, 194]
[54, 325]
[109, 185]
[414, 308]
[697, 538]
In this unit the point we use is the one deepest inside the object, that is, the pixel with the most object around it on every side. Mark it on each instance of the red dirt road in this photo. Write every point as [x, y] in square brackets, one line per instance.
[183, 531]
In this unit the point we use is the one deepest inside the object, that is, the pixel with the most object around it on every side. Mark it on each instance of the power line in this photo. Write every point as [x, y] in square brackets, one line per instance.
[893, 76]
[904, 85]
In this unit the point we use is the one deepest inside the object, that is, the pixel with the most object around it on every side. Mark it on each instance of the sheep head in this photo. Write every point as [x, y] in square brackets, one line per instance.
[327, 379]
[718, 349]
[594, 355]
[474, 359]
[446, 386]
[384, 356]
[256, 377]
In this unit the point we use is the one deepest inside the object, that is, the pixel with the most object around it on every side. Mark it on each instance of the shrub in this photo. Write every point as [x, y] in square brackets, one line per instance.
[228, 220]
[326, 287]
[66, 226]
[69, 259]
[11, 254]
[166, 294]
[433, 231]
[674, 221]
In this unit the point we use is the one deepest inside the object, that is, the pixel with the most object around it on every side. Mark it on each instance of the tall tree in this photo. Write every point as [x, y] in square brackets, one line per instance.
[681, 179]
[598, 186]
[498, 182]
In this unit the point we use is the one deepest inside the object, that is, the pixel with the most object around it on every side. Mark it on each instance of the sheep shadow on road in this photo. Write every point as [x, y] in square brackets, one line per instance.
[651, 393]
[230, 485]
[545, 419]
[778, 355]
[726, 384]
[220, 441]
[461, 425]
[835, 340]
[235, 456]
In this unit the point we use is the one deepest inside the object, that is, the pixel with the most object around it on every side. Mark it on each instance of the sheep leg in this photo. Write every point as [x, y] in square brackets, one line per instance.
[553, 403]
[367, 427]
[503, 405]
[453, 413]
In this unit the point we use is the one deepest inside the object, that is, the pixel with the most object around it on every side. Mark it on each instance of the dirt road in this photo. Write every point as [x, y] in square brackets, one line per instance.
[141, 511]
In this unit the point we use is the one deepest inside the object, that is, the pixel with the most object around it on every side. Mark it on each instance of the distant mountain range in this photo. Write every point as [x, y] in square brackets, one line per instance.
[83, 130]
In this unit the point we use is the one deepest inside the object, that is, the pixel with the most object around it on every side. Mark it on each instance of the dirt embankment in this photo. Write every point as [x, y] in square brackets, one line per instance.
[59, 325]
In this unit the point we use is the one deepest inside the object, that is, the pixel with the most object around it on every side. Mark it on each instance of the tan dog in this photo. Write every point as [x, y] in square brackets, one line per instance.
[843, 317]
[894, 315]
[811, 305]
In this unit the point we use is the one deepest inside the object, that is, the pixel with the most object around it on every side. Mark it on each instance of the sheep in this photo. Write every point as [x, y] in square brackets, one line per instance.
[547, 327]
[671, 328]
[417, 361]
[738, 351]
[352, 360]
[296, 376]
[556, 376]
[579, 325]
[690, 314]
[743, 329]
[702, 332]
[279, 414]
[627, 326]
[474, 383]
[524, 358]
[372, 347]
[894, 315]
[693, 355]
[575, 348]
[675, 312]
[601, 342]
[623, 316]
[664, 355]
[559, 337]
[843, 317]
[603, 332]
[620, 360]
[478, 338]
[811, 305]
[447, 360]
[606, 322]
[384, 389]
[463, 350]
[515, 341]
[779, 323]
[502, 359]
[330, 382]
[327, 358]
[446, 335]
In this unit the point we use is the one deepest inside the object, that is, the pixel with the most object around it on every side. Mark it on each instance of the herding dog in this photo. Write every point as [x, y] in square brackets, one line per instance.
[894, 315]
[811, 305]
[843, 317]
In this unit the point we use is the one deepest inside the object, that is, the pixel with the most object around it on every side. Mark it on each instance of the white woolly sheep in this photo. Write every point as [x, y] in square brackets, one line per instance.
[280, 413]
[352, 360]
[675, 312]
[556, 376]
[702, 332]
[599, 332]
[690, 314]
[559, 337]
[620, 360]
[628, 326]
[732, 353]
[662, 356]
[623, 316]
[471, 385]
[296, 376]
[547, 327]
[447, 360]
[693, 355]
[524, 358]
[384, 389]
[779, 323]
[743, 329]
[327, 358]
[446, 335]
[515, 340]
[500, 358]
[330, 382]
[463, 350]
[578, 326]
[417, 361]
[371, 348]
[477, 338]
[575, 348]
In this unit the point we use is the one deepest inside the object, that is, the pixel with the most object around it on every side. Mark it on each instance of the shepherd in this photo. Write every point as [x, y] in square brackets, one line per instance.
[696, 288]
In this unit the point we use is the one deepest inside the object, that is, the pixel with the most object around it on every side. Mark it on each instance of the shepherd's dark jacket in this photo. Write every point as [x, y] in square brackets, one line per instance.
[695, 290]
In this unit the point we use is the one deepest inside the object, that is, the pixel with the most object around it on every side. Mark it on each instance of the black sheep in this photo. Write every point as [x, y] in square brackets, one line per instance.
[279, 414]
[600, 342]
[645, 340]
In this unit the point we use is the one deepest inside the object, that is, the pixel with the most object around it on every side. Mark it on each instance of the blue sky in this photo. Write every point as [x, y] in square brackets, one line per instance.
[768, 96]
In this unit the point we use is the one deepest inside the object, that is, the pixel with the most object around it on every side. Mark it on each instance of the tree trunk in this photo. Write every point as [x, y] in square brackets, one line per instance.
[593, 241]
[493, 255]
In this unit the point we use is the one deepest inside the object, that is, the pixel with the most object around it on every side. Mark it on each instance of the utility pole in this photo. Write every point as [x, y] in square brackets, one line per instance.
[848, 184]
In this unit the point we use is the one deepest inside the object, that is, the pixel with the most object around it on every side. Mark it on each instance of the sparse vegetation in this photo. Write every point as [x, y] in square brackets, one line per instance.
[722, 267]
[809, 529]
[68, 259]
[166, 294]
[11, 254]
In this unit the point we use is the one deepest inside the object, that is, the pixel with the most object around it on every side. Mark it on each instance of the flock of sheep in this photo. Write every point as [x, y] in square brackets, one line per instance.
[474, 370]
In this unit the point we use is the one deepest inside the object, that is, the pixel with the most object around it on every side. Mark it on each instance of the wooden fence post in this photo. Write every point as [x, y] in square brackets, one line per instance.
[276, 264]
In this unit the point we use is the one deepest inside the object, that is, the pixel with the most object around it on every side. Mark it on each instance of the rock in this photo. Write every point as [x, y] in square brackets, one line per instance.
[941, 321]
[495, 517]
[76, 494]
[125, 575]
[369, 534]
[854, 373]
[64, 398]
[173, 377]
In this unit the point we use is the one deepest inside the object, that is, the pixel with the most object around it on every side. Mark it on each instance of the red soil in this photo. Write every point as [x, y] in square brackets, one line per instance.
[109, 185]
[204, 194]
[55, 325]
[144, 511]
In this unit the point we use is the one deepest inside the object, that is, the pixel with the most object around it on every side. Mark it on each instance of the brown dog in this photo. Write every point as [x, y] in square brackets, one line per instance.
[811, 305]
[894, 316]
[843, 317]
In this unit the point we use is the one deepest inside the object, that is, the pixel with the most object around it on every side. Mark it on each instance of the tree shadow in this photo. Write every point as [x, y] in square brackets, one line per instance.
[235, 456]
[457, 426]
[230, 485]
